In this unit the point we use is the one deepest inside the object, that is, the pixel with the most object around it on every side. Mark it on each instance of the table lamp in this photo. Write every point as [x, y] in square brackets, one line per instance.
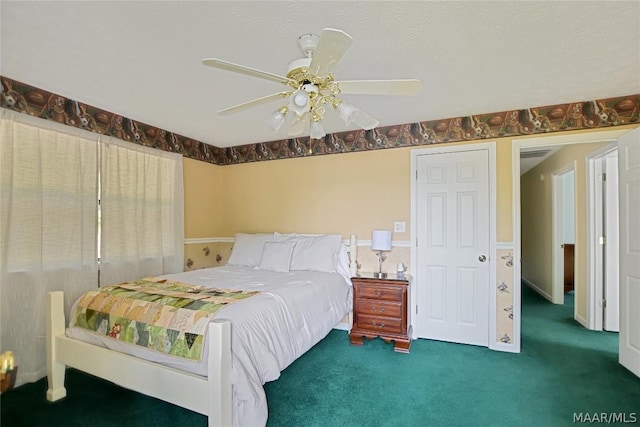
[381, 242]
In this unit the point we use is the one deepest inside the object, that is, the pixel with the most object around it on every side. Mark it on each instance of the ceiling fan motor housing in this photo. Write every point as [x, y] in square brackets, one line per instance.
[308, 43]
[298, 64]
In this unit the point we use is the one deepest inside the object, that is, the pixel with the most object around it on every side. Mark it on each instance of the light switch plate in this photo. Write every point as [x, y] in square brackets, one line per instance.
[399, 227]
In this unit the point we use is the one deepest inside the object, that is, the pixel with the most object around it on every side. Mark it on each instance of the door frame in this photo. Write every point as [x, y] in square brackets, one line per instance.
[489, 146]
[611, 291]
[557, 289]
[595, 229]
[538, 141]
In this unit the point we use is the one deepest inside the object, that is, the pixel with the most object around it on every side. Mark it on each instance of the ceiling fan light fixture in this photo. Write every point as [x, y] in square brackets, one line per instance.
[346, 112]
[317, 130]
[350, 114]
[277, 119]
[300, 102]
[300, 99]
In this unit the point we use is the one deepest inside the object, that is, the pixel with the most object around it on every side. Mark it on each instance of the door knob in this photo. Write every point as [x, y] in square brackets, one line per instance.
[482, 258]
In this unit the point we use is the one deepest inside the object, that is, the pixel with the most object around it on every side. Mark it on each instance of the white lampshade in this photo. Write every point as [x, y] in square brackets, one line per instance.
[300, 98]
[346, 111]
[381, 240]
[317, 131]
[351, 114]
[276, 120]
[299, 102]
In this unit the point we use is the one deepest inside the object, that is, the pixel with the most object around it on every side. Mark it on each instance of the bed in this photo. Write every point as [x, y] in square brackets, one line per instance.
[299, 301]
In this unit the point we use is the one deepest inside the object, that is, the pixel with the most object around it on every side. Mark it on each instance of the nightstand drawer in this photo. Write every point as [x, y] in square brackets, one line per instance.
[379, 308]
[380, 324]
[377, 292]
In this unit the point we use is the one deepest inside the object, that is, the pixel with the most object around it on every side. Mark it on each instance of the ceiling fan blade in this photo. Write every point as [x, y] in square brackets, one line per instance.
[380, 87]
[331, 46]
[298, 126]
[253, 103]
[364, 120]
[230, 66]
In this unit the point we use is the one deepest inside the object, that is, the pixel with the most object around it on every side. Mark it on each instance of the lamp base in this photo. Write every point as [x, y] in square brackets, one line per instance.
[379, 275]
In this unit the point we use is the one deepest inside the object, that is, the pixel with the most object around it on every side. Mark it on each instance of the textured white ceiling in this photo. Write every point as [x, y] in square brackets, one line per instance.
[142, 59]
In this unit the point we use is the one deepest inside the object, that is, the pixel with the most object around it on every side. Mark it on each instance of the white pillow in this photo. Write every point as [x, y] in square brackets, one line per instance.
[276, 256]
[247, 249]
[316, 253]
[342, 265]
[279, 237]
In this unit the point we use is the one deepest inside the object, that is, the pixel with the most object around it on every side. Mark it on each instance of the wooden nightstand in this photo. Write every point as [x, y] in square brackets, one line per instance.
[380, 309]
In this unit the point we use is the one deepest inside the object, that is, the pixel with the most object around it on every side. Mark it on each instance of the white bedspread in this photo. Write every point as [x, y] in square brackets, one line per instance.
[269, 331]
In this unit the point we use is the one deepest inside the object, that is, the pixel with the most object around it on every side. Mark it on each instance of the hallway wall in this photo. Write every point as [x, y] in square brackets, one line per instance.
[537, 227]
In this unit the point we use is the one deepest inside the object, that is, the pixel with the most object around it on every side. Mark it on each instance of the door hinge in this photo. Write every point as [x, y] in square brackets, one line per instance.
[416, 309]
[603, 303]
[602, 240]
[604, 176]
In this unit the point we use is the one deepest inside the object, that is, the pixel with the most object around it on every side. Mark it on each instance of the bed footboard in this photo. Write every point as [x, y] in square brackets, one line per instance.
[55, 327]
[210, 396]
[220, 405]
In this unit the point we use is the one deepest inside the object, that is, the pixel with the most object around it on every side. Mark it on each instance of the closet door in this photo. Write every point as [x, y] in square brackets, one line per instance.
[452, 253]
[629, 196]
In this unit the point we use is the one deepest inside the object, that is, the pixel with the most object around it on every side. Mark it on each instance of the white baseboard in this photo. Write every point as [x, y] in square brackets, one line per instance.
[500, 346]
[537, 289]
[581, 320]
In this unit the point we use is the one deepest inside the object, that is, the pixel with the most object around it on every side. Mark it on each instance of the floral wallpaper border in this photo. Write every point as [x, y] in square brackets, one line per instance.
[504, 296]
[600, 113]
[27, 99]
[206, 255]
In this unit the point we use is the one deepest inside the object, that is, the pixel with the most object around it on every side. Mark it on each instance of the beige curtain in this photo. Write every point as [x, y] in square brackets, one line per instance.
[50, 229]
[48, 211]
[142, 203]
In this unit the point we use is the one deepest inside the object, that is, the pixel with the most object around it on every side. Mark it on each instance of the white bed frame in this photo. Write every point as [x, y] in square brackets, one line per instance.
[210, 396]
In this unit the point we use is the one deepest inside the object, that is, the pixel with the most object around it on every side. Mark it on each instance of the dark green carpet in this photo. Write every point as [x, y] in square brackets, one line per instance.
[563, 368]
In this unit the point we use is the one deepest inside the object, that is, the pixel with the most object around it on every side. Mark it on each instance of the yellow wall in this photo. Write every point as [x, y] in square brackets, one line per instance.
[349, 193]
[537, 224]
[504, 196]
[202, 207]
[343, 193]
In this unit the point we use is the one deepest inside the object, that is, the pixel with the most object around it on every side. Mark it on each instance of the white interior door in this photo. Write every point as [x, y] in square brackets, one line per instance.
[629, 197]
[611, 318]
[452, 246]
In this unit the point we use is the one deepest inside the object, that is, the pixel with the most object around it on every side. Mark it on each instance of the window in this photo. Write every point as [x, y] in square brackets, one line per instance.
[49, 227]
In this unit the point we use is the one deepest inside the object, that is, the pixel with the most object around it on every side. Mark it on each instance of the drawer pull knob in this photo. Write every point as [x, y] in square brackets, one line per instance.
[381, 325]
[378, 293]
[375, 308]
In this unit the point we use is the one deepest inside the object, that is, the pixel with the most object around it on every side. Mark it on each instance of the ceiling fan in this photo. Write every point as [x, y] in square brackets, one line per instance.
[313, 87]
